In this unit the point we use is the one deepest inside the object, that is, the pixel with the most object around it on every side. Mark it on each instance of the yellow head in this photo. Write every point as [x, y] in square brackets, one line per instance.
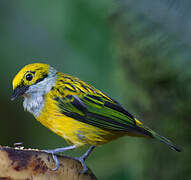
[28, 76]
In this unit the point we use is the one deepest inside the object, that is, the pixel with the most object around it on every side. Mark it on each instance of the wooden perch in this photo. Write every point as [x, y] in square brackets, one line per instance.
[27, 164]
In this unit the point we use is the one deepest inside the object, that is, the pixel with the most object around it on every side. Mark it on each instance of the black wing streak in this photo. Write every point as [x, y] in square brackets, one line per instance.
[79, 104]
[91, 100]
[119, 108]
[90, 118]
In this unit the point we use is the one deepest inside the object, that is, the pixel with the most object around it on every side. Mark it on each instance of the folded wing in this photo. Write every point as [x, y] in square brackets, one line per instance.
[101, 112]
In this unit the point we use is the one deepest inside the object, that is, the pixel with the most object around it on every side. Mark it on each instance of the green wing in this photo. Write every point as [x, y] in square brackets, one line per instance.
[98, 111]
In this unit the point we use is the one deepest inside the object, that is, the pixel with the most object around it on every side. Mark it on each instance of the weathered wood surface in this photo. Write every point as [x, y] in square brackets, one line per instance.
[28, 164]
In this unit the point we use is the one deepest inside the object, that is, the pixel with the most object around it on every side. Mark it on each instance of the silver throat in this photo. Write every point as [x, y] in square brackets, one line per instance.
[34, 98]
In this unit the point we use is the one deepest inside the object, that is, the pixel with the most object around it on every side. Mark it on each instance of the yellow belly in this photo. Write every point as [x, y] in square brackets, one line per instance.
[73, 131]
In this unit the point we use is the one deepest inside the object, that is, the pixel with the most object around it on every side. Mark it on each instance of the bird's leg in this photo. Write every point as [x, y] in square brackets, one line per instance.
[54, 152]
[83, 158]
[59, 150]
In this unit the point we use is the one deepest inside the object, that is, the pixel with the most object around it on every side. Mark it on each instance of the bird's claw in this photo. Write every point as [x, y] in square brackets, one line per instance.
[82, 161]
[56, 161]
[55, 158]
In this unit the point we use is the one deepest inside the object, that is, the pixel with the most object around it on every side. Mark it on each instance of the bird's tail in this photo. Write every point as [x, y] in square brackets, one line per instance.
[165, 141]
[154, 135]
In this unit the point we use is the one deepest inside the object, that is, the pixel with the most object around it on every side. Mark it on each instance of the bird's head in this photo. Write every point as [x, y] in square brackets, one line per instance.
[31, 79]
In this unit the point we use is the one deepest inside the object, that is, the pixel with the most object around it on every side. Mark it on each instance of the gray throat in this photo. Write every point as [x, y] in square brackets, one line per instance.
[34, 98]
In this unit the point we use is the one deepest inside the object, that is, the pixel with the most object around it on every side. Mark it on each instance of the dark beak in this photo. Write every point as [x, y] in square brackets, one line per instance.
[18, 91]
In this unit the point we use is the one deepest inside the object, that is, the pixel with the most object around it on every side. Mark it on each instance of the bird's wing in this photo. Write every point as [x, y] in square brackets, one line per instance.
[99, 111]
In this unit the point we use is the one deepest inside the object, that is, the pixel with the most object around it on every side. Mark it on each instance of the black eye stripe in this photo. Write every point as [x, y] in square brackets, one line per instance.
[41, 79]
[30, 74]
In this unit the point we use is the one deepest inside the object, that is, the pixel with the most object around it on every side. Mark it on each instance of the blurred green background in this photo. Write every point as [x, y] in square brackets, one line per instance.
[136, 51]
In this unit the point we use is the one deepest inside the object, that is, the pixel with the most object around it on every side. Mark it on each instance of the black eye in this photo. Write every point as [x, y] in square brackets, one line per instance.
[29, 77]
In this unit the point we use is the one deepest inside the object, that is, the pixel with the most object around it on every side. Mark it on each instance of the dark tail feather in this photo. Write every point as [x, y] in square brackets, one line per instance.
[165, 141]
[162, 139]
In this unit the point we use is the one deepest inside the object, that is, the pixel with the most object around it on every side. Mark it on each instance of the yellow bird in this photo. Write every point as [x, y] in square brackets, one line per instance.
[75, 110]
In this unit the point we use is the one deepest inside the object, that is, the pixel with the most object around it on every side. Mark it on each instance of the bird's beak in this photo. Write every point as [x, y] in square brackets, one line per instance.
[18, 91]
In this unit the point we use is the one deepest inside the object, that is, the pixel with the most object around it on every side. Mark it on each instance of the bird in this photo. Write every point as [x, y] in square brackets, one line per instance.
[76, 111]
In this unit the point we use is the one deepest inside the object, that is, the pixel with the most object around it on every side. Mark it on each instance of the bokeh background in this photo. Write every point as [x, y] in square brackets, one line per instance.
[137, 51]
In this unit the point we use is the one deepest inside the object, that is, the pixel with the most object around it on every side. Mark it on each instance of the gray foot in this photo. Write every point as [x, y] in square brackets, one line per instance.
[54, 153]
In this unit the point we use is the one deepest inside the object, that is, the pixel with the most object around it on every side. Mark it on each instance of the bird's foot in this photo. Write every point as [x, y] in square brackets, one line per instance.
[82, 161]
[55, 158]
[54, 153]
[83, 158]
